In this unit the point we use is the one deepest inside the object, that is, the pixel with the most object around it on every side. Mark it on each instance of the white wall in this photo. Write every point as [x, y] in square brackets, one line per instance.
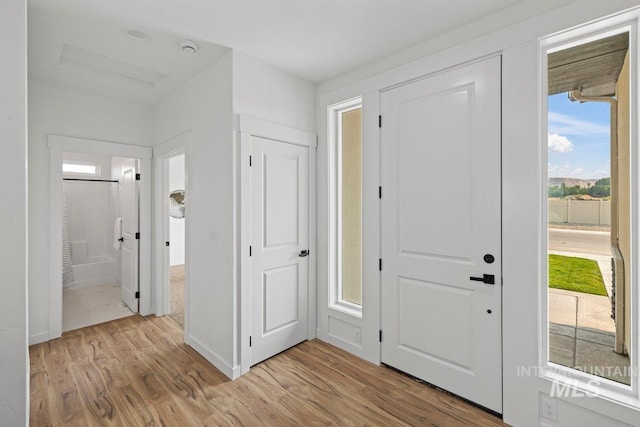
[14, 368]
[265, 92]
[522, 213]
[63, 111]
[203, 107]
[176, 226]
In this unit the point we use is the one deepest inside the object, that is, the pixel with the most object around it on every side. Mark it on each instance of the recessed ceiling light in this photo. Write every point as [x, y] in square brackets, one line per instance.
[189, 46]
[136, 35]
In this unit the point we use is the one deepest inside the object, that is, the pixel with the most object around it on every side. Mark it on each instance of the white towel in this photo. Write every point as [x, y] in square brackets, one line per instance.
[117, 233]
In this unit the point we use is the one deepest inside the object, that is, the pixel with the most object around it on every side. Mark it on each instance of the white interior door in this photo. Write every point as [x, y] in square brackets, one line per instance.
[128, 208]
[441, 231]
[279, 237]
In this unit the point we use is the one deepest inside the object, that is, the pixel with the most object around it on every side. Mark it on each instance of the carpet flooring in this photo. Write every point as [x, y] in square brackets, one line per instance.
[177, 294]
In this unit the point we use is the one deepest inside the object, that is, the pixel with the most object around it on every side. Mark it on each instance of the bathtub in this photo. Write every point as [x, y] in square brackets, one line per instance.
[95, 271]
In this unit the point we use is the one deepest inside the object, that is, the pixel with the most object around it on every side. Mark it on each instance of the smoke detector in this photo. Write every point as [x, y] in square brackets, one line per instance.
[189, 46]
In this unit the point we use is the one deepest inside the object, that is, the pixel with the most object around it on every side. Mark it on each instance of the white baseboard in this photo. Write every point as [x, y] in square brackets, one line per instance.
[231, 372]
[38, 338]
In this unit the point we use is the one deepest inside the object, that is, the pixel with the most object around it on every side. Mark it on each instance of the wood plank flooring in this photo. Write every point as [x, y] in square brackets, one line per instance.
[138, 372]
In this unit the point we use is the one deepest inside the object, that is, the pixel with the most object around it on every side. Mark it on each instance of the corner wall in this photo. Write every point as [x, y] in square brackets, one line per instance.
[14, 367]
[62, 111]
[203, 107]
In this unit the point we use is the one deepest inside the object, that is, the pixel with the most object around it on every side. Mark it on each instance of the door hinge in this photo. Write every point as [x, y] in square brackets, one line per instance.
[380, 192]
[379, 121]
[249, 341]
[380, 264]
[250, 161]
[137, 294]
[380, 335]
[137, 177]
[249, 250]
[138, 236]
[166, 243]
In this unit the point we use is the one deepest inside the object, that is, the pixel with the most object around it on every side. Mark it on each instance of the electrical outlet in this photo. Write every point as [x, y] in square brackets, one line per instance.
[549, 409]
[358, 335]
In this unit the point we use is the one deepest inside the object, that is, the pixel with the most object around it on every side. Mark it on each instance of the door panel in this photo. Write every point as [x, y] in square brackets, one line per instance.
[128, 208]
[281, 200]
[280, 291]
[279, 231]
[440, 216]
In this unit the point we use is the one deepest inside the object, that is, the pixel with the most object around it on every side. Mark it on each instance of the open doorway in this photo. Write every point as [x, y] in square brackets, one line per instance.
[177, 238]
[100, 262]
[589, 207]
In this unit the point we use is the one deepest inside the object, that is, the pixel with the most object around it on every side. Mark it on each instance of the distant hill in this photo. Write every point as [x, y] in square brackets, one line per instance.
[571, 182]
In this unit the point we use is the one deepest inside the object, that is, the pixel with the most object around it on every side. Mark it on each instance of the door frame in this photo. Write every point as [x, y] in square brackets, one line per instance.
[57, 145]
[246, 127]
[161, 154]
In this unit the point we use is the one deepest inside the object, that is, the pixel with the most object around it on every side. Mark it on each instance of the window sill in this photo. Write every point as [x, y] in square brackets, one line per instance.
[347, 308]
[578, 384]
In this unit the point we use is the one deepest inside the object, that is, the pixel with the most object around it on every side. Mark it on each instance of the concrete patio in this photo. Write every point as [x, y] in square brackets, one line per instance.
[581, 331]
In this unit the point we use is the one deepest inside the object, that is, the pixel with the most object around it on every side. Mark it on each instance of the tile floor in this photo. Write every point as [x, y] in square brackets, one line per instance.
[92, 305]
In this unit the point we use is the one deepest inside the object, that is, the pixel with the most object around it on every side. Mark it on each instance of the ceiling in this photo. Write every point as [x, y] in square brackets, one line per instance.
[313, 39]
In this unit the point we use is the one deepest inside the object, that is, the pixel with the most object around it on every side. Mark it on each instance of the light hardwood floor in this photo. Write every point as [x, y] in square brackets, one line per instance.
[138, 372]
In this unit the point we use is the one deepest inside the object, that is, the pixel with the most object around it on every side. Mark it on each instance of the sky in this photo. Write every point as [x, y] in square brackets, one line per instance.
[579, 145]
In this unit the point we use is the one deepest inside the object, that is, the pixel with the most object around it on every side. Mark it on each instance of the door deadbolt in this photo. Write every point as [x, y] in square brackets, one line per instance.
[488, 258]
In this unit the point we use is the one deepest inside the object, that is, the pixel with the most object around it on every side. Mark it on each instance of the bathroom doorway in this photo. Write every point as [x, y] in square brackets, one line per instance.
[100, 217]
[95, 252]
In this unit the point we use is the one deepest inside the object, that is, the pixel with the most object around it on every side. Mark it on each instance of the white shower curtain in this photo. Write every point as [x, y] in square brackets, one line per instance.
[67, 267]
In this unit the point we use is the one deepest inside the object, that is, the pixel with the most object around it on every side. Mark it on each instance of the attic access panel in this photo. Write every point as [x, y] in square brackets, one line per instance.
[593, 66]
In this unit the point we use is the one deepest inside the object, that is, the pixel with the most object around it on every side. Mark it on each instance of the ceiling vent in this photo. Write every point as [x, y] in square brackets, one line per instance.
[94, 63]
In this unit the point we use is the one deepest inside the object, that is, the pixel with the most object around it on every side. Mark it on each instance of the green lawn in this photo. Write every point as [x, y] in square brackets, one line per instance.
[575, 274]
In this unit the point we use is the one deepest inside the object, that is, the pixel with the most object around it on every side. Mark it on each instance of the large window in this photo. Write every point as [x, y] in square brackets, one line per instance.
[589, 216]
[346, 189]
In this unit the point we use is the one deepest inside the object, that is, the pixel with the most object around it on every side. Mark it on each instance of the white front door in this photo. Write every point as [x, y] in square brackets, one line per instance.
[279, 237]
[128, 208]
[441, 232]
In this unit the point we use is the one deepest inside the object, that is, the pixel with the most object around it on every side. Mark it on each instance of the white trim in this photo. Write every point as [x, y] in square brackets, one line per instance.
[245, 127]
[334, 141]
[269, 130]
[231, 372]
[57, 144]
[551, 372]
[38, 338]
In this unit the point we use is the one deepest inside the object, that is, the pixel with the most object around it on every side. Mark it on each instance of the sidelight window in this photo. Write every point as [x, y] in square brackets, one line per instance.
[346, 152]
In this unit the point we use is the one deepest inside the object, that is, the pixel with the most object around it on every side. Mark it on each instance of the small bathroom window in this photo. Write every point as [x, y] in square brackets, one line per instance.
[81, 168]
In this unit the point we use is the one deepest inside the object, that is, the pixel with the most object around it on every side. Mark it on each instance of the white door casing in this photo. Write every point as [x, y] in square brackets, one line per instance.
[441, 145]
[128, 208]
[279, 232]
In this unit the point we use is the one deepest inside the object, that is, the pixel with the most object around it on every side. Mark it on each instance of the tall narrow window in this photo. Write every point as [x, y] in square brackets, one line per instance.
[351, 205]
[345, 151]
[589, 208]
